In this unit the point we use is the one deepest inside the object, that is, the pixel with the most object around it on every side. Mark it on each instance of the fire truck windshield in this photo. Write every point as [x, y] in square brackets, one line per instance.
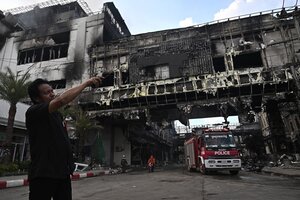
[219, 140]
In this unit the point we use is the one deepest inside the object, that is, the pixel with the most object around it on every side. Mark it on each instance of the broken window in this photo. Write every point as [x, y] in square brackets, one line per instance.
[47, 48]
[58, 84]
[108, 80]
[156, 72]
[125, 77]
[162, 72]
[247, 60]
[219, 64]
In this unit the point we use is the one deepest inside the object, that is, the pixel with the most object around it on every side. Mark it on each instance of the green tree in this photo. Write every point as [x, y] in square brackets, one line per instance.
[13, 88]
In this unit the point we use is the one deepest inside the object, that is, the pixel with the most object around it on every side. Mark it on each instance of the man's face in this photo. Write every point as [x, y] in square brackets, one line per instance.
[46, 93]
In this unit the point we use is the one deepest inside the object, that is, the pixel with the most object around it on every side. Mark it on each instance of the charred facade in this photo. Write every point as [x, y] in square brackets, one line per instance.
[246, 66]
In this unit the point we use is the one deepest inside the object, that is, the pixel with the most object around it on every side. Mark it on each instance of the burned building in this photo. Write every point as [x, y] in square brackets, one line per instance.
[246, 66]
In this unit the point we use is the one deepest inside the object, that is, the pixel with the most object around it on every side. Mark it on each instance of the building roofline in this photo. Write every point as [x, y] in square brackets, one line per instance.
[23, 9]
[112, 8]
[255, 14]
[273, 12]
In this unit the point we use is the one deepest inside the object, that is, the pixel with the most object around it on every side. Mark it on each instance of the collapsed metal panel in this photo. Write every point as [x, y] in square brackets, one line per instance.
[205, 88]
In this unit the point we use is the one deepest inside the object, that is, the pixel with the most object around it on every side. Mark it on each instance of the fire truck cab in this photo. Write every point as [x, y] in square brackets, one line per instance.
[212, 150]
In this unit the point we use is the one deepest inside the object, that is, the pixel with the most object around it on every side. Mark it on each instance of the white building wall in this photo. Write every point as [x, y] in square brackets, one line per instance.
[5, 55]
[81, 37]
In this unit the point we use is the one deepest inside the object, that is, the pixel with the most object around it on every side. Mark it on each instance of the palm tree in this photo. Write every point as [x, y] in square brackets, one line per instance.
[82, 124]
[13, 88]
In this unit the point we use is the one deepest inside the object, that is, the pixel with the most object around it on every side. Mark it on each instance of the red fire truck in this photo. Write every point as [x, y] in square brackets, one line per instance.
[212, 150]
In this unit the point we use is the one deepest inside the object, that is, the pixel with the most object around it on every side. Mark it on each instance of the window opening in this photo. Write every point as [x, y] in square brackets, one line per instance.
[58, 84]
[108, 79]
[47, 48]
[219, 64]
[247, 60]
[125, 77]
[156, 72]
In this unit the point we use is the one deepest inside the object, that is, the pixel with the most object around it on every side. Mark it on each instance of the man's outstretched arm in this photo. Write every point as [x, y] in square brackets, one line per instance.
[72, 93]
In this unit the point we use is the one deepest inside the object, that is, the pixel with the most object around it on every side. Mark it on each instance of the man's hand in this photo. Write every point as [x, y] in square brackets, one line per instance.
[95, 82]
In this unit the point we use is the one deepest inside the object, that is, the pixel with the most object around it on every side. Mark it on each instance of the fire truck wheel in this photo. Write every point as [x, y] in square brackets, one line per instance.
[189, 169]
[203, 170]
[233, 172]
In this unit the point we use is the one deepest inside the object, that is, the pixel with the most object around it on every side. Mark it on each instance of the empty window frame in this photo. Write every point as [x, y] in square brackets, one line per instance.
[219, 64]
[49, 48]
[156, 72]
[125, 77]
[247, 60]
[162, 72]
[58, 84]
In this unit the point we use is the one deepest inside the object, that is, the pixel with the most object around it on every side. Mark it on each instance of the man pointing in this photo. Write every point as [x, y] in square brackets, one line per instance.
[50, 149]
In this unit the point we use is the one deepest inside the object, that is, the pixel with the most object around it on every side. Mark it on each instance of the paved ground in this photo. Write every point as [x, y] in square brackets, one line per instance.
[176, 183]
[17, 181]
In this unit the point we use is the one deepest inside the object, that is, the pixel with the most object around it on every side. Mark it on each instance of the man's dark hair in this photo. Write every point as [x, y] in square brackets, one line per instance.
[33, 89]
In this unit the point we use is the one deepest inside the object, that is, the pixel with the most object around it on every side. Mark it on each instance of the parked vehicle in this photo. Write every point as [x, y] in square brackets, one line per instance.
[212, 150]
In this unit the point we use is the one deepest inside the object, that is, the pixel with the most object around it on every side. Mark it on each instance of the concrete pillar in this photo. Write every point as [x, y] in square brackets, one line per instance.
[112, 146]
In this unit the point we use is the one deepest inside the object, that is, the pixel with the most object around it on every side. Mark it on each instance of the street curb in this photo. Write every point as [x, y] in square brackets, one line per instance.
[76, 176]
[279, 174]
[13, 183]
[272, 173]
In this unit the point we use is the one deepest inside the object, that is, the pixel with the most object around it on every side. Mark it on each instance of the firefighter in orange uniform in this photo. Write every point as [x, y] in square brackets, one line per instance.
[151, 163]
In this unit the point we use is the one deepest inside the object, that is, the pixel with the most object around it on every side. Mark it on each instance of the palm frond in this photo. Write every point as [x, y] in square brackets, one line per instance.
[13, 87]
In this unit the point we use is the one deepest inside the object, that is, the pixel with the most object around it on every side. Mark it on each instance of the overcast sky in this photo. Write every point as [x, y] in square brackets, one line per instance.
[152, 15]
[143, 16]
